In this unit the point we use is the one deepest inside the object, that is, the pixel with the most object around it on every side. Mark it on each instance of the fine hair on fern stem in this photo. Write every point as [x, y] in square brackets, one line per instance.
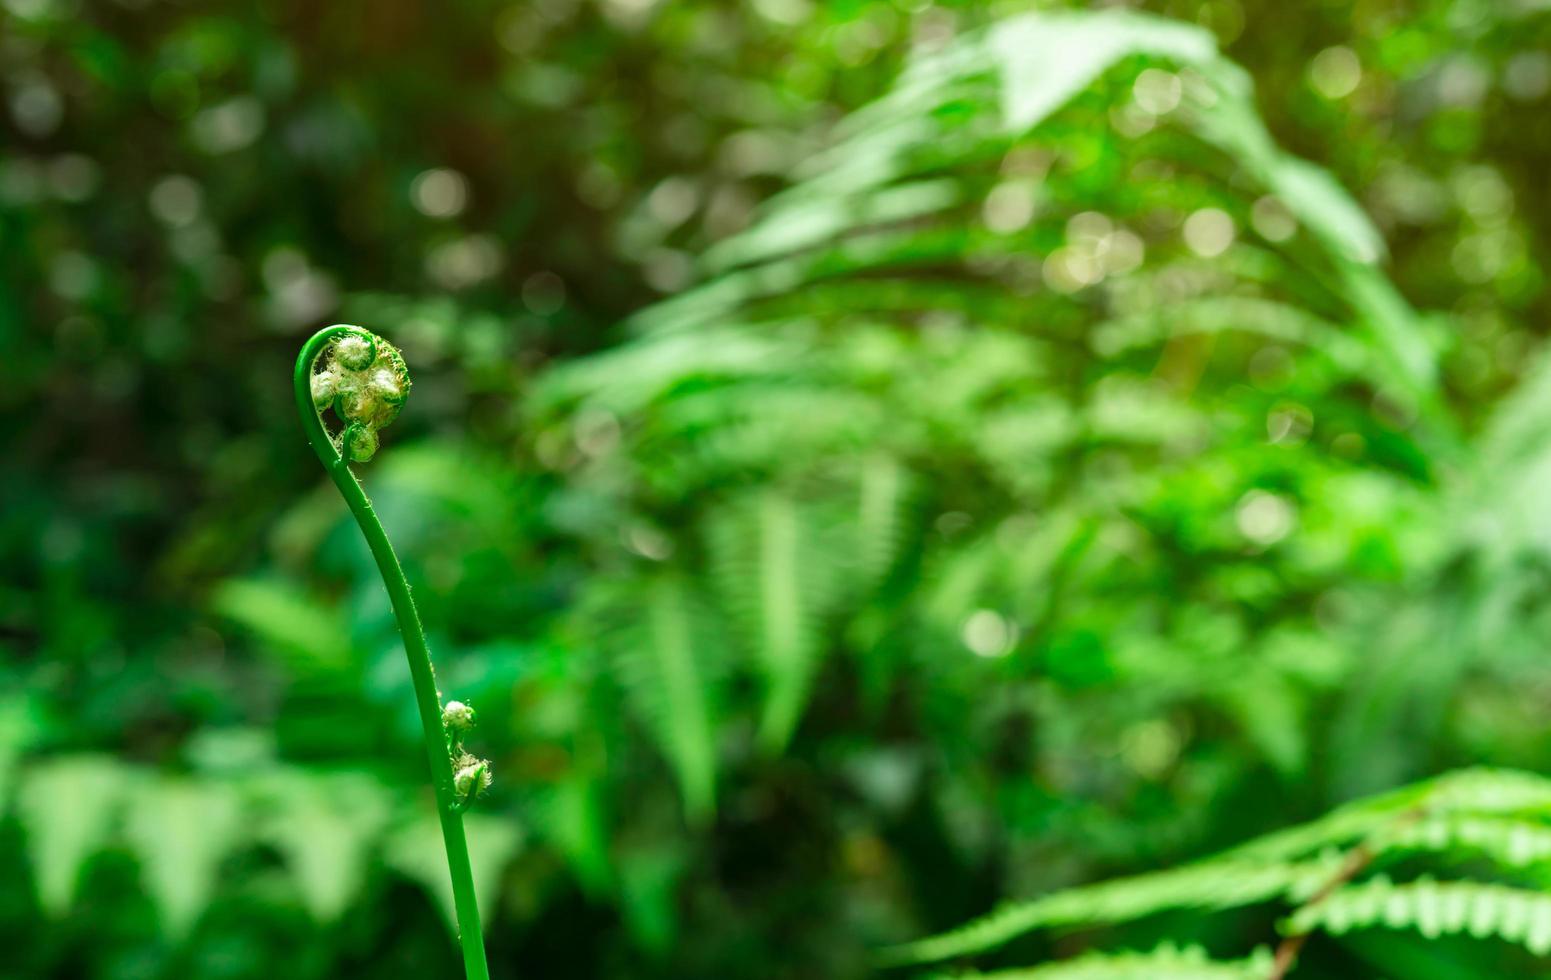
[364, 381]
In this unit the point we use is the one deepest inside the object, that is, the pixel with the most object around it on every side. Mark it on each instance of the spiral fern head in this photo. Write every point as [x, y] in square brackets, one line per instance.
[471, 777]
[364, 379]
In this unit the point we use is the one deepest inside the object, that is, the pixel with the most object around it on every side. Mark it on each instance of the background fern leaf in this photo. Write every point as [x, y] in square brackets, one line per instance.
[181, 831]
[779, 580]
[68, 808]
[325, 827]
[668, 657]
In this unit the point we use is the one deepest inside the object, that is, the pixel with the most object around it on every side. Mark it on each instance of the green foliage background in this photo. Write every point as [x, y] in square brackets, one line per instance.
[867, 462]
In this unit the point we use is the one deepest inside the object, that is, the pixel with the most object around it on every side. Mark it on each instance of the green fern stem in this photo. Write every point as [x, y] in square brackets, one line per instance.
[448, 805]
[1357, 860]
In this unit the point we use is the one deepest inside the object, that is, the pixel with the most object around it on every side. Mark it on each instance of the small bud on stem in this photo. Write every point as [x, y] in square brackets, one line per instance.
[457, 716]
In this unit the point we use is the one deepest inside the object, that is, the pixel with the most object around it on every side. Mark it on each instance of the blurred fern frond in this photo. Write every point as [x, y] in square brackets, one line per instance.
[667, 656]
[182, 832]
[1014, 304]
[780, 578]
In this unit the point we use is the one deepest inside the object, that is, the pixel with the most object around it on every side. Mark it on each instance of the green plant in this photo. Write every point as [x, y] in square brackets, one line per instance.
[326, 826]
[1368, 865]
[364, 380]
[1021, 345]
[984, 532]
[1055, 418]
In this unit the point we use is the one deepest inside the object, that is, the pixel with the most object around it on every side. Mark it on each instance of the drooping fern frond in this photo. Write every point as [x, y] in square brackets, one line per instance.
[1328, 872]
[1506, 842]
[1212, 885]
[1167, 962]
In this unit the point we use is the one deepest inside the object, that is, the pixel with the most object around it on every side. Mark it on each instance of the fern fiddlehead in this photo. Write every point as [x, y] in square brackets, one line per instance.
[364, 380]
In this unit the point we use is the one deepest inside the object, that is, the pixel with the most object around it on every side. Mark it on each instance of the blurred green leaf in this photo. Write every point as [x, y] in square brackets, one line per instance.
[181, 831]
[68, 808]
[309, 636]
[326, 828]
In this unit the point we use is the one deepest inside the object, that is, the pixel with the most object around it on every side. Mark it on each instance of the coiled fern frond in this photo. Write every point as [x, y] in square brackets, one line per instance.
[364, 380]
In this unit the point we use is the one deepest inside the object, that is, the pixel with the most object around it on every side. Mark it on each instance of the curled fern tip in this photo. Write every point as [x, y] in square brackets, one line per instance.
[362, 378]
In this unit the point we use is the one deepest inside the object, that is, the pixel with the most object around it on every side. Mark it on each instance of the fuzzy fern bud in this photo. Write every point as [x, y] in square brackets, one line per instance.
[457, 717]
[363, 378]
[324, 387]
[472, 779]
[361, 443]
[355, 351]
[385, 386]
